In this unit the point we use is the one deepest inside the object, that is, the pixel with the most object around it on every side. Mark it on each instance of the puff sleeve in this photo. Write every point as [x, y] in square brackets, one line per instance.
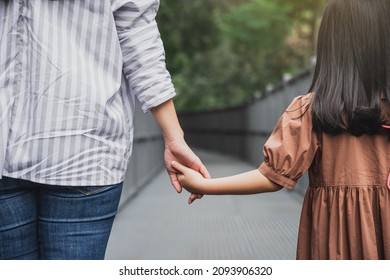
[292, 146]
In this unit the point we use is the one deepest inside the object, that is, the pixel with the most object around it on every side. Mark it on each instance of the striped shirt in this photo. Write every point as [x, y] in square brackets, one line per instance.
[69, 73]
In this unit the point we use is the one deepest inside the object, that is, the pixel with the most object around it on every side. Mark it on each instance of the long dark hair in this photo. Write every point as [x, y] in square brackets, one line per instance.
[352, 71]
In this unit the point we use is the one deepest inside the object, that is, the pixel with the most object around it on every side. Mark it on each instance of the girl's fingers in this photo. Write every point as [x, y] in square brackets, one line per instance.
[192, 198]
[175, 181]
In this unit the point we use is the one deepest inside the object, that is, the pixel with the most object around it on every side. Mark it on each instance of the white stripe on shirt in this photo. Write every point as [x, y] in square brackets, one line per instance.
[69, 73]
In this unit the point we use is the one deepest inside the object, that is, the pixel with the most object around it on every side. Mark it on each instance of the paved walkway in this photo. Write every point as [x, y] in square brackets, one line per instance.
[159, 224]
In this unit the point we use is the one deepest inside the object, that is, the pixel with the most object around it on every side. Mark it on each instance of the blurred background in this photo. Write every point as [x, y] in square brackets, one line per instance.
[222, 52]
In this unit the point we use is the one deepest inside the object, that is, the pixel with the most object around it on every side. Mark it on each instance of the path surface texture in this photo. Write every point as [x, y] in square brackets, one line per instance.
[159, 224]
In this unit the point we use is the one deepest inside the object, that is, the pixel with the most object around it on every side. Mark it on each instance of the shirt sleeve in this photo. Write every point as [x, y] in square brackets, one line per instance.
[292, 146]
[143, 51]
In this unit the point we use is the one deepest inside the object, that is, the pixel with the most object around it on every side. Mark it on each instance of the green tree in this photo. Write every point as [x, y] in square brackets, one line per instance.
[256, 32]
[220, 52]
[187, 27]
[305, 17]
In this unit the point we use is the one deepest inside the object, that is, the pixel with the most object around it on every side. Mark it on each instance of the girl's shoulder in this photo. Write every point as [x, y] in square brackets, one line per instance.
[300, 106]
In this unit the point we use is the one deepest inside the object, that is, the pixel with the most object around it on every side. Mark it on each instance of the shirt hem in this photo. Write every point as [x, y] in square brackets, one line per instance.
[66, 184]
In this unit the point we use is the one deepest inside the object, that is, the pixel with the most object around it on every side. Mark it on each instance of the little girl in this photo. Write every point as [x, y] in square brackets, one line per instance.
[339, 131]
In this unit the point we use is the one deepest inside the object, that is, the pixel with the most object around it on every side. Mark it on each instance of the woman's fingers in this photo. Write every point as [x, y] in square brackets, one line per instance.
[203, 170]
[179, 167]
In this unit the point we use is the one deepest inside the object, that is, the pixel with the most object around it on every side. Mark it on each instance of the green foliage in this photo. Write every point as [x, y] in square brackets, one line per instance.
[220, 52]
[248, 25]
[187, 26]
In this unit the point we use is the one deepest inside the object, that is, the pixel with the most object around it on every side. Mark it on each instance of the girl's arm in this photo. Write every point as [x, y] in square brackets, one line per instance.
[244, 183]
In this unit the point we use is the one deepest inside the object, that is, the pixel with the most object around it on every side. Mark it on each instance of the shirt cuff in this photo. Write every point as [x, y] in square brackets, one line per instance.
[276, 177]
[154, 102]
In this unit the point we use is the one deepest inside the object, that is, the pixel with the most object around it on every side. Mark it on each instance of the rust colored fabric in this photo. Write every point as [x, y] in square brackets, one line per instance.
[346, 209]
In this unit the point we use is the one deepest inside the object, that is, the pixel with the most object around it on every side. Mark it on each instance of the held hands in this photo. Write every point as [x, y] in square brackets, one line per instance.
[176, 149]
[179, 151]
[189, 179]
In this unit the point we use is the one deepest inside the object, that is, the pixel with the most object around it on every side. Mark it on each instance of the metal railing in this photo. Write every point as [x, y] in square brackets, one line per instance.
[147, 156]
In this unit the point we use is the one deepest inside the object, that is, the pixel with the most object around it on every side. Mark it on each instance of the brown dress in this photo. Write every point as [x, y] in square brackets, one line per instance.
[346, 210]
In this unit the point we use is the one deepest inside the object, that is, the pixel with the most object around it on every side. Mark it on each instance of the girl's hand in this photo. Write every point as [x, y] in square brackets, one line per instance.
[189, 179]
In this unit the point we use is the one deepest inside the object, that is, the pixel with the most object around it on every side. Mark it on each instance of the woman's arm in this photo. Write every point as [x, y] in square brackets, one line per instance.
[176, 149]
[244, 183]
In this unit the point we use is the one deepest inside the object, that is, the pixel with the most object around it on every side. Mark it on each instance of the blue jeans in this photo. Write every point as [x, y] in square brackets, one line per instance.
[39, 221]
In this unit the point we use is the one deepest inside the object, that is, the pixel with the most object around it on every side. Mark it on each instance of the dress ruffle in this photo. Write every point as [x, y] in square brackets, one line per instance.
[345, 222]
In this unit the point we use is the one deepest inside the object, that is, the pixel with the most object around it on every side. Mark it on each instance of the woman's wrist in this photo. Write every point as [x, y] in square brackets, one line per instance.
[165, 115]
[173, 137]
